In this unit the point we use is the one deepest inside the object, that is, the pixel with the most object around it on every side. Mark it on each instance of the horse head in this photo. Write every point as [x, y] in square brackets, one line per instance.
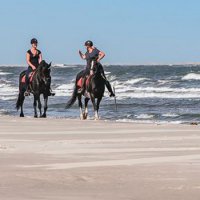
[44, 72]
[95, 69]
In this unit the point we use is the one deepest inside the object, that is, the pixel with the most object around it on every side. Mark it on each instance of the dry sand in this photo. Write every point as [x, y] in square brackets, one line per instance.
[60, 159]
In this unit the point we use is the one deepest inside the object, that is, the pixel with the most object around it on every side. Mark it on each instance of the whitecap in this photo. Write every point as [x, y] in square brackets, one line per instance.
[170, 115]
[64, 89]
[191, 76]
[148, 121]
[133, 81]
[144, 116]
[5, 73]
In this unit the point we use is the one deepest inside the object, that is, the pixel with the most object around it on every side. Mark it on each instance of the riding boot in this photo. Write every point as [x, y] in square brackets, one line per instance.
[27, 91]
[51, 93]
[109, 88]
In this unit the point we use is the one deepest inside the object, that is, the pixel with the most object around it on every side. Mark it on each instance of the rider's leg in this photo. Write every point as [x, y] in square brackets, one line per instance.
[82, 75]
[107, 83]
[28, 71]
[50, 92]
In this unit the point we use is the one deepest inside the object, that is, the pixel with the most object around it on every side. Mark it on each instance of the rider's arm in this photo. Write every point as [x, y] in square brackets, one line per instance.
[40, 58]
[28, 61]
[82, 55]
[101, 56]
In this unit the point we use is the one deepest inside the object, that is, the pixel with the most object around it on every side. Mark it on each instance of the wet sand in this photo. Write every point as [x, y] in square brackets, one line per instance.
[59, 159]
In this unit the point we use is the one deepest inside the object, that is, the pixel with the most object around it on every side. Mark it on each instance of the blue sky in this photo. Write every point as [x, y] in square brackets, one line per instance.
[128, 31]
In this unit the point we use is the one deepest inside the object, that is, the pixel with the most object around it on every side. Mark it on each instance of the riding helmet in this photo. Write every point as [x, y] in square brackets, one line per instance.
[89, 43]
[34, 40]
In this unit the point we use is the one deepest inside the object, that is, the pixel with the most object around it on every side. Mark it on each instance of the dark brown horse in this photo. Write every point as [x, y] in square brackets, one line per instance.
[40, 84]
[95, 88]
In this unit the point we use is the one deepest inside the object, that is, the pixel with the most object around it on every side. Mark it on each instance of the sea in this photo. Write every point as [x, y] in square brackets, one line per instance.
[144, 94]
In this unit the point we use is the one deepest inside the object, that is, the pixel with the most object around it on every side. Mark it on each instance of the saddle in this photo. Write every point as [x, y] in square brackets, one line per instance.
[23, 77]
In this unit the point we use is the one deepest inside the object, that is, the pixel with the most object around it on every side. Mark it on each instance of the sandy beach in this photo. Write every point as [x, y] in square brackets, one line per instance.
[59, 159]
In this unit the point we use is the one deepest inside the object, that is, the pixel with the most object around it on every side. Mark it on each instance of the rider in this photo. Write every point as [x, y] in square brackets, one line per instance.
[33, 58]
[93, 54]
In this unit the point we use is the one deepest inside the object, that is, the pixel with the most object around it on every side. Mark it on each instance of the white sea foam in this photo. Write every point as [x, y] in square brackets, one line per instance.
[148, 121]
[64, 66]
[124, 90]
[2, 111]
[123, 95]
[64, 89]
[128, 82]
[4, 73]
[191, 76]
[144, 116]
[170, 115]
[133, 81]
[134, 121]
[8, 92]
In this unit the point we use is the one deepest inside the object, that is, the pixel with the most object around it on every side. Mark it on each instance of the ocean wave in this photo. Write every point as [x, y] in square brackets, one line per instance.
[8, 92]
[191, 76]
[170, 115]
[149, 121]
[5, 73]
[133, 81]
[124, 95]
[5, 98]
[128, 82]
[64, 89]
[144, 116]
[3, 112]
[134, 121]
[64, 66]
[7, 89]
[154, 89]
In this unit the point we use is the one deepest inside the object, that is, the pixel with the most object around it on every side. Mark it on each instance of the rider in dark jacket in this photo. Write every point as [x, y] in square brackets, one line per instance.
[93, 54]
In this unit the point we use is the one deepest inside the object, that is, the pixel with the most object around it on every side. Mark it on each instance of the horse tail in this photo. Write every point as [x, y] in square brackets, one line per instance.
[18, 104]
[19, 100]
[72, 99]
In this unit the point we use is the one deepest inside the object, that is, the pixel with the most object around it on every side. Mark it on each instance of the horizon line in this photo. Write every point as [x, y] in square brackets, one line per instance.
[106, 64]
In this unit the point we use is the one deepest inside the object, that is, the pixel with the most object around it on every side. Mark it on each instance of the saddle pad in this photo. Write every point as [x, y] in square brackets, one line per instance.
[79, 82]
[23, 79]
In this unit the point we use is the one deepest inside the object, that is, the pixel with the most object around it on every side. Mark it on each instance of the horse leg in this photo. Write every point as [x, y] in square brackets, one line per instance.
[22, 102]
[35, 106]
[97, 107]
[45, 106]
[85, 114]
[40, 106]
[96, 117]
[80, 106]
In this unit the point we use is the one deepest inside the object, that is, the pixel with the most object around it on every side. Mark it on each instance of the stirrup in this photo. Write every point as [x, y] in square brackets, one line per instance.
[27, 93]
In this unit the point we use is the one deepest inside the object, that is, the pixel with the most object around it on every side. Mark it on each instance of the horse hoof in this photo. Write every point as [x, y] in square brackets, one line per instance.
[35, 116]
[21, 115]
[43, 116]
[85, 116]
